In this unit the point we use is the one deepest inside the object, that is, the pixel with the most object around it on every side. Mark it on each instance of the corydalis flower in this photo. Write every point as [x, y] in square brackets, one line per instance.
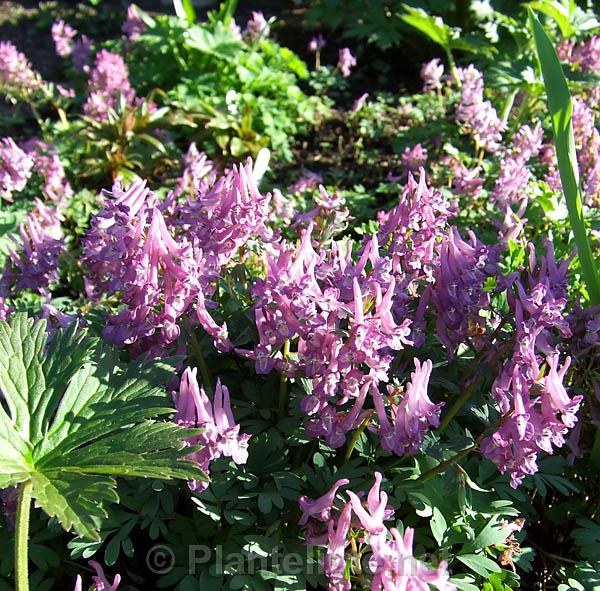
[257, 27]
[411, 231]
[109, 80]
[392, 564]
[15, 168]
[476, 115]
[432, 73]
[48, 165]
[81, 54]
[17, 77]
[63, 35]
[317, 43]
[359, 103]
[411, 417]
[33, 261]
[458, 293]
[133, 26]
[346, 61]
[101, 582]
[413, 159]
[199, 173]
[220, 435]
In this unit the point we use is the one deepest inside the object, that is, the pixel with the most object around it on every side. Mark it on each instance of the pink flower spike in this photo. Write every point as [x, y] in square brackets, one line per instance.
[101, 581]
[320, 508]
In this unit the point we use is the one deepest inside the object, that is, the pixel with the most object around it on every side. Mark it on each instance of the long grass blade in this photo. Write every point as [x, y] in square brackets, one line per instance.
[560, 106]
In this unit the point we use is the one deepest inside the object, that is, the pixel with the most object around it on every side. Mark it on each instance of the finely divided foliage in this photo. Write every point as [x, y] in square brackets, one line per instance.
[73, 418]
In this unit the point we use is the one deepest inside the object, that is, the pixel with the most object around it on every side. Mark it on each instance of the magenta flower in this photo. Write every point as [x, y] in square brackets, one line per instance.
[81, 54]
[15, 168]
[413, 159]
[63, 35]
[307, 181]
[47, 164]
[102, 583]
[476, 115]
[257, 27]
[432, 73]
[220, 435]
[133, 26]
[411, 417]
[17, 77]
[320, 508]
[317, 43]
[33, 261]
[346, 61]
[108, 81]
[359, 103]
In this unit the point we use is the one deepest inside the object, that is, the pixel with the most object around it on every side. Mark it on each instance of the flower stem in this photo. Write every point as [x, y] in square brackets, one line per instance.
[356, 437]
[460, 401]
[283, 389]
[22, 537]
[446, 464]
[198, 356]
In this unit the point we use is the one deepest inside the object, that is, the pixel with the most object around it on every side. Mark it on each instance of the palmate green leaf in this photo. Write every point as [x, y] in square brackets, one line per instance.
[72, 417]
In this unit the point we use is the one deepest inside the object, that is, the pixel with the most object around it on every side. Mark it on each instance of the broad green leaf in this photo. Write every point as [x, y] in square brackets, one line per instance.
[479, 564]
[431, 26]
[492, 533]
[558, 11]
[561, 110]
[72, 417]
[438, 525]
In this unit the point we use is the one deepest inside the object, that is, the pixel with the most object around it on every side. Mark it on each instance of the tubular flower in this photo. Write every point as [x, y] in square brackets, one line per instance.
[133, 26]
[476, 115]
[33, 262]
[15, 168]
[81, 54]
[220, 435]
[47, 164]
[346, 61]
[199, 174]
[17, 78]
[458, 293]
[392, 566]
[411, 417]
[63, 35]
[412, 230]
[414, 159]
[109, 80]
[537, 410]
[257, 27]
[432, 73]
[319, 303]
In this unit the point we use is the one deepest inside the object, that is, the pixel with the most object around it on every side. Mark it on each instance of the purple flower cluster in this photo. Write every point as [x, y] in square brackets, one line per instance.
[198, 175]
[133, 26]
[33, 262]
[109, 80]
[514, 174]
[164, 259]
[81, 54]
[411, 416]
[346, 61]
[413, 159]
[17, 78]
[257, 27]
[63, 35]
[15, 168]
[458, 293]
[476, 115]
[432, 74]
[337, 318]
[413, 229]
[538, 412]
[392, 564]
[48, 165]
[317, 43]
[101, 582]
[220, 435]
